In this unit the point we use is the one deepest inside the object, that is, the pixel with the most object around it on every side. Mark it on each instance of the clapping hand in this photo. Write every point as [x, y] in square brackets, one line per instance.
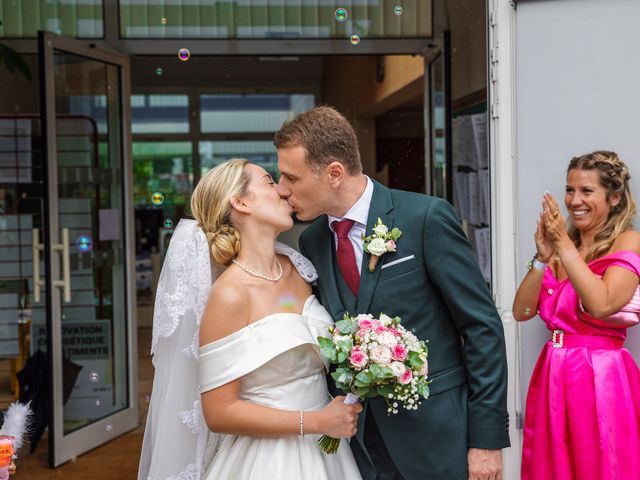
[554, 225]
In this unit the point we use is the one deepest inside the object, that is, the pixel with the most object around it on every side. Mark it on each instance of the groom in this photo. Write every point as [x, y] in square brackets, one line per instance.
[431, 281]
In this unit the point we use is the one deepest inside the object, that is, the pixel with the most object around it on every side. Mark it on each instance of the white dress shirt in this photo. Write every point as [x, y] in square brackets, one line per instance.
[359, 213]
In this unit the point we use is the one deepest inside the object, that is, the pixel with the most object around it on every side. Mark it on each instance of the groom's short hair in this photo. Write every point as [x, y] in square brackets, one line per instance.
[326, 135]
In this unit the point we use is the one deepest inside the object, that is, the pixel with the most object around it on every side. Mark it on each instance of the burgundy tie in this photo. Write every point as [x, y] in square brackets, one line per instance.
[347, 255]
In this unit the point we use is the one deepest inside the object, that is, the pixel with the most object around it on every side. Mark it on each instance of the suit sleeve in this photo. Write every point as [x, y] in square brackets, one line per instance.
[452, 267]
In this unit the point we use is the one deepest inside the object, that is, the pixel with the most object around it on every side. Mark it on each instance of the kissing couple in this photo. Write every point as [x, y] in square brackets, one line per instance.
[240, 388]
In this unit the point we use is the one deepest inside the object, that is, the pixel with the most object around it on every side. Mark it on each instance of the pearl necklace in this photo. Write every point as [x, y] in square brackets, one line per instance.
[259, 275]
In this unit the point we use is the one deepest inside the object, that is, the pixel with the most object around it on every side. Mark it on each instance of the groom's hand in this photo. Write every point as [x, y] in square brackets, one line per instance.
[484, 464]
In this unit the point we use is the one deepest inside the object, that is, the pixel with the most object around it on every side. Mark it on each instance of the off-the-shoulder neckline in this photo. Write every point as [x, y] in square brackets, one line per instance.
[555, 279]
[256, 323]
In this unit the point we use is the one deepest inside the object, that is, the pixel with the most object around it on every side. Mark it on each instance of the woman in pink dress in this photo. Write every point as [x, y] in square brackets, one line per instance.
[583, 406]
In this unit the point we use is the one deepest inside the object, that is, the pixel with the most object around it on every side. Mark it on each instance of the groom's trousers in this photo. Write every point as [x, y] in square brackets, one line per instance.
[385, 468]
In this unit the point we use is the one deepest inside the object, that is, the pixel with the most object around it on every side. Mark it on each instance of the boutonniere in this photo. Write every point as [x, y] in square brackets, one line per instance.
[380, 242]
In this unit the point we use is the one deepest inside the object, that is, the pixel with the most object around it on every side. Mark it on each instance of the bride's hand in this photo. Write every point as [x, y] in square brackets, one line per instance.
[339, 419]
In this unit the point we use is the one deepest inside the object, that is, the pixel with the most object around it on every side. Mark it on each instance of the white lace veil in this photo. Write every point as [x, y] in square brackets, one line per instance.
[177, 443]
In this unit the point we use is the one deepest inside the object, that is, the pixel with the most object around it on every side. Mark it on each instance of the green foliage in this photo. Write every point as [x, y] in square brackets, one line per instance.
[327, 347]
[414, 360]
[346, 326]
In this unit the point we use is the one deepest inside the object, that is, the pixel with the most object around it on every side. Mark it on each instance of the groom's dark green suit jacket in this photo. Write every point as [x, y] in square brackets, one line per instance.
[434, 284]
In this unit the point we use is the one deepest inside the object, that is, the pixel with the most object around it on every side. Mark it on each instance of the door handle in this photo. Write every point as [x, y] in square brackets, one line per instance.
[36, 247]
[65, 283]
[63, 247]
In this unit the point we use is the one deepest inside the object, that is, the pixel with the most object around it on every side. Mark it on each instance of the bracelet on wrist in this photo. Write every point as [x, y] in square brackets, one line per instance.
[302, 423]
[537, 264]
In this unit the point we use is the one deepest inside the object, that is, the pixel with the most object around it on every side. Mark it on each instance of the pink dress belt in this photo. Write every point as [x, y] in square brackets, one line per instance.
[561, 339]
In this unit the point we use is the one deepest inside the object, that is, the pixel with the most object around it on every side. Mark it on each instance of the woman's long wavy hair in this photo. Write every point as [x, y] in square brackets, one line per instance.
[614, 177]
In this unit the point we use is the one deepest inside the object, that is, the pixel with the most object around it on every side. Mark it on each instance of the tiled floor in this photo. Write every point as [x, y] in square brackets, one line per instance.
[115, 460]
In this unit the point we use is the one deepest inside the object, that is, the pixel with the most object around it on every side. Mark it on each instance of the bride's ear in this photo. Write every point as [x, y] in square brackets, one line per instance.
[240, 204]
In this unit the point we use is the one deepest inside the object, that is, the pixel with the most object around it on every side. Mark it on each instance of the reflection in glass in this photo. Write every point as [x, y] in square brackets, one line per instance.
[250, 113]
[166, 168]
[282, 19]
[160, 113]
[74, 18]
[91, 207]
[438, 129]
[262, 153]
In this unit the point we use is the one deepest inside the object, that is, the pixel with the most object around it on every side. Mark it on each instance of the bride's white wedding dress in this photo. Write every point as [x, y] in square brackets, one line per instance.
[280, 366]
[276, 357]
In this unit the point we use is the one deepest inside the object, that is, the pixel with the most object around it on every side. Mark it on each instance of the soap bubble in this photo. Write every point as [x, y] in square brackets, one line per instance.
[341, 15]
[184, 54]
[157, 198]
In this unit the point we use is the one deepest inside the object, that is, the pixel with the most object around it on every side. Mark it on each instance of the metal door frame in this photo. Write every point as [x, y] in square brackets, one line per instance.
[65, 447]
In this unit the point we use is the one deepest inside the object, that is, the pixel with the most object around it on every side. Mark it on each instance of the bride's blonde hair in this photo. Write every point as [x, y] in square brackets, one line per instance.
[211, 207]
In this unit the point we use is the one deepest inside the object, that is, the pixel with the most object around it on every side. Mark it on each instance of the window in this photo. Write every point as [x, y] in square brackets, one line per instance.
[276, 19]
[160, 113]
[263, 153]
[250, 113]
[75, 18]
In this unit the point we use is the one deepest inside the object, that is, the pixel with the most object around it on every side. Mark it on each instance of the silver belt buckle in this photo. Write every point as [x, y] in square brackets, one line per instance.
[557, 338]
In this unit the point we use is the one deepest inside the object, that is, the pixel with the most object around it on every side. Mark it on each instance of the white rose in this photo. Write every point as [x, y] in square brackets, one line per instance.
[397, 368]
[364, 316]
[377, 247]
[387, 339]
[380, 230]
[380, 354]
[385, 320]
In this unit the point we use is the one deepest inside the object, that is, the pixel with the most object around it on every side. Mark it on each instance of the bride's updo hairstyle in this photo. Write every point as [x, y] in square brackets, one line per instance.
[211, 207]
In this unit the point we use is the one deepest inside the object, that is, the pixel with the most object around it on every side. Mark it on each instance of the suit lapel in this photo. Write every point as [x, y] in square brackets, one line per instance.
[381, 207]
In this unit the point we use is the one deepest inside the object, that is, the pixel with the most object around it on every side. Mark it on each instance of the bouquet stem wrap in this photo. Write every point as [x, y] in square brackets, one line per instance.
[329, 444]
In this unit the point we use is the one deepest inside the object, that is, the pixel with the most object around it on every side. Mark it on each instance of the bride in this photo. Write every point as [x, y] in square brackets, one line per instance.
[239, 390]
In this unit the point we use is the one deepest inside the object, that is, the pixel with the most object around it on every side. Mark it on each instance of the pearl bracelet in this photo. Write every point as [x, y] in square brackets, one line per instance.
[302, 423]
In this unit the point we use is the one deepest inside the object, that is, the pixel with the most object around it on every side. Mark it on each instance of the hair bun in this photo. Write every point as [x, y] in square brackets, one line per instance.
[224, 244]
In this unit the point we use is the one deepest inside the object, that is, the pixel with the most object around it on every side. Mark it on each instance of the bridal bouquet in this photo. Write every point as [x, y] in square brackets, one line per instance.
[376, 357]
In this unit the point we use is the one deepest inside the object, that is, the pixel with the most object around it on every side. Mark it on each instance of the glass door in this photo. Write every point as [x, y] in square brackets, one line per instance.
[439, 122]
[87, 246]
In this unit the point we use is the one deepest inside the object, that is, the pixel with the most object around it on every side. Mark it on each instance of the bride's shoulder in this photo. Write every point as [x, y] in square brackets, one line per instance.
[227, 310]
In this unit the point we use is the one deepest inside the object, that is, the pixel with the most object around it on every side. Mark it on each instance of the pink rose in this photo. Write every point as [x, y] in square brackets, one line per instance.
[365, 324]
[395, 332]
[406, 377]
[380, 328]
[358, 358]
[391, 246]
[399, 352]
[361, 333]
[424, 371]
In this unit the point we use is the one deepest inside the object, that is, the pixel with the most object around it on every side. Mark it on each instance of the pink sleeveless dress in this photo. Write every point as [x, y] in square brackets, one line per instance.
[583, 407]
